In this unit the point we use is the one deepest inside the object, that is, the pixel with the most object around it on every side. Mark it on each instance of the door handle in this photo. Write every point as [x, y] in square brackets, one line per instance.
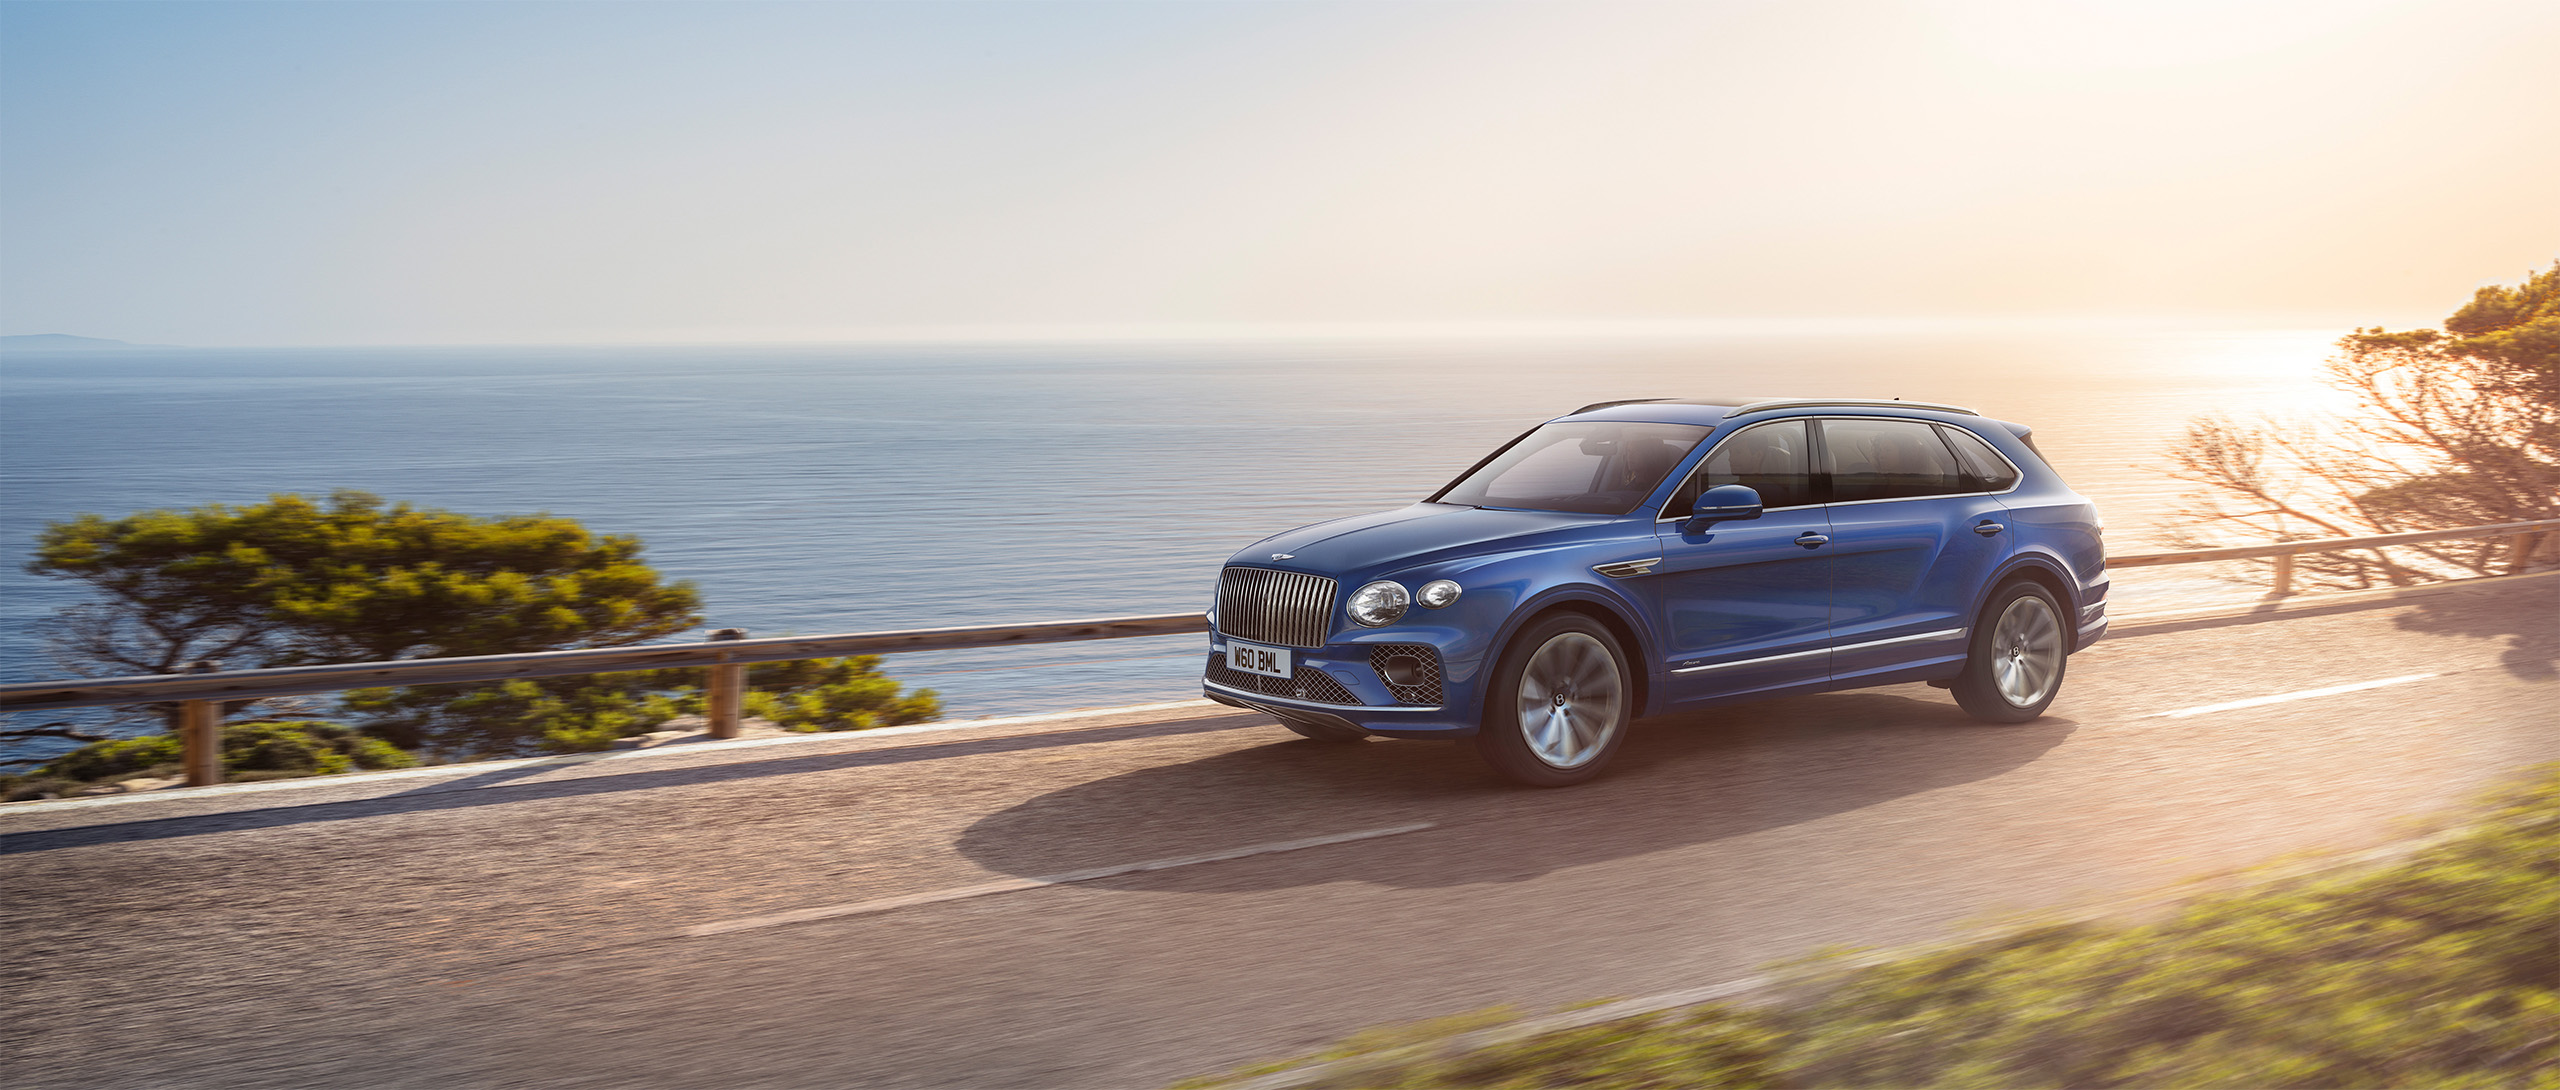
[1987, 527]
[1812, 540]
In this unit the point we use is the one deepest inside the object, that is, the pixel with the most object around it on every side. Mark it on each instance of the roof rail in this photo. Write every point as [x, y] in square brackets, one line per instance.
[1856, 402]
[1606, 404]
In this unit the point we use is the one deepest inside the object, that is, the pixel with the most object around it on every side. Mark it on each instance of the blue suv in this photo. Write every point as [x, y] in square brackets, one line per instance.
[1638, 558]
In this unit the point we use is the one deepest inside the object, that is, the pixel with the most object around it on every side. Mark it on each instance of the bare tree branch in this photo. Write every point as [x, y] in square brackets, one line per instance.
[2441, 438]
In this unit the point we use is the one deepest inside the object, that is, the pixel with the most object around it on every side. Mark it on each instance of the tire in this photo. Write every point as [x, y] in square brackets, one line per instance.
[1325, 732]
[2019, 652]
[1558, 704]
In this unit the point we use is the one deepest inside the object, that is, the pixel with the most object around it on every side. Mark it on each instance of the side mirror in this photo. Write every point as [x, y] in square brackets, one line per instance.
[1723, 503]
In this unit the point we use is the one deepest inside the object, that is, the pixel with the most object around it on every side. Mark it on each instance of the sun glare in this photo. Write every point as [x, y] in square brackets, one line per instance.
[2075, 35]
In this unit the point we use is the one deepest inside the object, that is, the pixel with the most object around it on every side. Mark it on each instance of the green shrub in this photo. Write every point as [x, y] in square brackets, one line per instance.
[835, 694]
[35, 785]
[588, 712]
[310, 748]
[258, 750]
[120, 757]
[282, 747]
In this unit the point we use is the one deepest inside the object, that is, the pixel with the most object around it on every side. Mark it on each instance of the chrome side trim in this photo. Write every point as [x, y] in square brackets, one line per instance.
[1943, 634]
[1765, 511]
[1627, 568]
[1907, 499]
[1264, 698]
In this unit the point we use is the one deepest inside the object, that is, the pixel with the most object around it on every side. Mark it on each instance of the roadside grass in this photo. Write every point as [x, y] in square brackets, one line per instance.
[2439, 969]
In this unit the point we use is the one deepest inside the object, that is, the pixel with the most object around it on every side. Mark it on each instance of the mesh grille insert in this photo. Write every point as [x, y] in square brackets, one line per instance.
[1309, 684]
[1424, 687]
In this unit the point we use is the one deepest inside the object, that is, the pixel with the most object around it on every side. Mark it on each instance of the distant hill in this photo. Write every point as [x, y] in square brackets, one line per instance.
[63, 342]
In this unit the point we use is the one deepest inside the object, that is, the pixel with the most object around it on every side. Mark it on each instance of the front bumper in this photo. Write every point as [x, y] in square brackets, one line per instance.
[1342, 686]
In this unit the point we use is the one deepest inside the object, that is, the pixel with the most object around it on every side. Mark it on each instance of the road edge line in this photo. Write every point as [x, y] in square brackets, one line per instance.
[2286, 698]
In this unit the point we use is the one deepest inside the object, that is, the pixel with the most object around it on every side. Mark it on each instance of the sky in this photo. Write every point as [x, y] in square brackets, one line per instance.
[212, 173]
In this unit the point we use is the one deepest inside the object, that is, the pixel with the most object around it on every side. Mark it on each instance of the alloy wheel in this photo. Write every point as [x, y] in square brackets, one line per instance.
[2026, 650]
[1570, 693]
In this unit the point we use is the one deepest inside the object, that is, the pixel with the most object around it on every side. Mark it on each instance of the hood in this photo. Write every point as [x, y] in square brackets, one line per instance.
[1390, 540]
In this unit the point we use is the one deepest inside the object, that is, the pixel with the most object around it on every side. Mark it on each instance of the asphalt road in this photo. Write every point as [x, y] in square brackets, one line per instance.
[538, 925]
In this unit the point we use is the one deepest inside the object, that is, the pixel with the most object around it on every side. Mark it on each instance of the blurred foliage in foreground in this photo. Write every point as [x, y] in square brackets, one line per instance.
[2440, 970]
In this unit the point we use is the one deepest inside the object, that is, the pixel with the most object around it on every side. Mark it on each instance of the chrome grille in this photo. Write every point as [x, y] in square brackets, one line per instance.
[1262, 605]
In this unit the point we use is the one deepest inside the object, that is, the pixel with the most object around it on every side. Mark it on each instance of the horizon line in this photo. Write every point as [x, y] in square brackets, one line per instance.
[1163, 332]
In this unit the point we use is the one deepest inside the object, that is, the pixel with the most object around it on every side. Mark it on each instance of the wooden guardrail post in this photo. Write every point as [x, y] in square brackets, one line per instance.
[2520, 550]
[200, 732]
[727, 695]
[2284, 576]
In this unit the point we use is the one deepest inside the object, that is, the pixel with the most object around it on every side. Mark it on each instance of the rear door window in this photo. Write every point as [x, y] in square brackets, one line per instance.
[1888, 460]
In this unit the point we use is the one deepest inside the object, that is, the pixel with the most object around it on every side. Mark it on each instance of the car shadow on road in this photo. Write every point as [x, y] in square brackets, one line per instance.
[1681, 780]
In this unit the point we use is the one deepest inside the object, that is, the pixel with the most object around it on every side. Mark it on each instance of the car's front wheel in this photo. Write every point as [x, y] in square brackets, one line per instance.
[2017, 658]
[1559, 703]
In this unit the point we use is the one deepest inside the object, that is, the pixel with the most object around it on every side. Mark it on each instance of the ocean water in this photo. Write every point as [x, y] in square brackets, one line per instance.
[837, 489]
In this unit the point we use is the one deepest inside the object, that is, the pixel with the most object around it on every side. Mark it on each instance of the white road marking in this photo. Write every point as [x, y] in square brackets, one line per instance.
[1009, 885]
[2280, 698]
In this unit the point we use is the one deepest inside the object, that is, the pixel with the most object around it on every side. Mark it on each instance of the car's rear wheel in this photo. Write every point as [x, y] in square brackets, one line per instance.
[1558, 704]
[2019, 652]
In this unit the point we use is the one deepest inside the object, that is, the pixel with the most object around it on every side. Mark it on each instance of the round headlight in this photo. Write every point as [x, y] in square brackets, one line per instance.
[1379, 603]
[1436, 593]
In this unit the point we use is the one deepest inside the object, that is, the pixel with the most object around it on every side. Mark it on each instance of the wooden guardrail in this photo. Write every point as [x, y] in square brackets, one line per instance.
[201, 694]
[2285, 551]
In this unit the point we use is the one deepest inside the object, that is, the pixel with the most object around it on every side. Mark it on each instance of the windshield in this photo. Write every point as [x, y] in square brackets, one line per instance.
[1588, 467]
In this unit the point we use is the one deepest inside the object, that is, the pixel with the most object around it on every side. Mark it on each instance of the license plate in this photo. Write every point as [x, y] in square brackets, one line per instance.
[1267, 661]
